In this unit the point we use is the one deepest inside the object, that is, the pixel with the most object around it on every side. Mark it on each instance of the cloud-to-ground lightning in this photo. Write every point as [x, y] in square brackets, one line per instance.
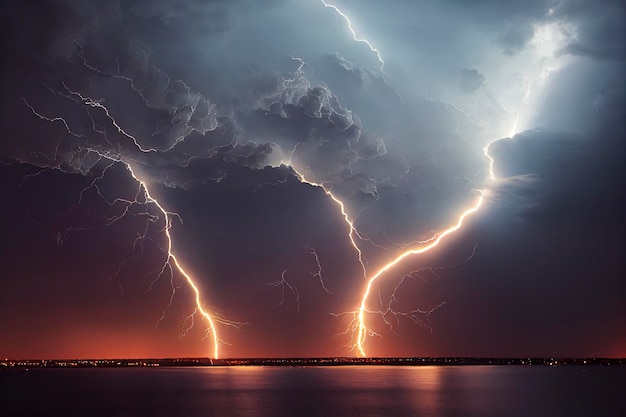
[143, 196]
[121, 140]
[361, 327]
[549, 39]
[358, 324]
[172, 259]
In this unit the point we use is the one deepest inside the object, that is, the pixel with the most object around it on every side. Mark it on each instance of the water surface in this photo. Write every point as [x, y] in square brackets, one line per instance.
[364, 391]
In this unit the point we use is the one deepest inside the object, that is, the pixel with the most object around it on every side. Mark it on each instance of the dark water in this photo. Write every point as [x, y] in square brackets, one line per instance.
[340, 391]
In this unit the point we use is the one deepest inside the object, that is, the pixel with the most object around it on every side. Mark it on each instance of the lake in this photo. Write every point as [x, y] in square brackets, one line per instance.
[364, 391]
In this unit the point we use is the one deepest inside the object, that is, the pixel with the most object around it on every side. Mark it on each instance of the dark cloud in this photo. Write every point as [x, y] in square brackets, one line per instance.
[227, 109]
[117, 104]
[600, 28]
[556, 177]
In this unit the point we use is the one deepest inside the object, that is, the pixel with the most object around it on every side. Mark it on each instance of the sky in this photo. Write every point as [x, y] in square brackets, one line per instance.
[234, 178]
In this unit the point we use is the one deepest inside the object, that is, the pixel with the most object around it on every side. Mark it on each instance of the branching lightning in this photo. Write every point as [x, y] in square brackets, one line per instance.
[318, 274]
[282, 283]
[414, 315]
[358, 323]
[173, 262]
[155, 212]
[144, 197]
[352, 229]
[360, 314]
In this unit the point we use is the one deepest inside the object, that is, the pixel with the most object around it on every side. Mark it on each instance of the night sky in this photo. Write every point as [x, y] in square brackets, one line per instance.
[249, 123]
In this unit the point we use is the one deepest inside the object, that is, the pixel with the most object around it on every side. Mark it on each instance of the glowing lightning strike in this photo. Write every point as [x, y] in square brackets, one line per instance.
[362, 330]
[171, 261]
[172, 257]
[358, 326]
[354, 36]
[359, 321]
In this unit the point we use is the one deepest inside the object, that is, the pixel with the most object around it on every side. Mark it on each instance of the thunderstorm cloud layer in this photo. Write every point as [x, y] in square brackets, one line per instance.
[265, 130]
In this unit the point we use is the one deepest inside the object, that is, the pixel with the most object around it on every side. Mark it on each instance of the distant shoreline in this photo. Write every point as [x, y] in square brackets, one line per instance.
[302, 362]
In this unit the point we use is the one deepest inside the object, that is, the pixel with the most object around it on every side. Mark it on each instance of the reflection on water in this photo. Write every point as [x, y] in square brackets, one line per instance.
[325, 391]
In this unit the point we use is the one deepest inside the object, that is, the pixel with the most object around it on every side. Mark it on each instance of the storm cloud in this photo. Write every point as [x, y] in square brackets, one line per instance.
[242, 116]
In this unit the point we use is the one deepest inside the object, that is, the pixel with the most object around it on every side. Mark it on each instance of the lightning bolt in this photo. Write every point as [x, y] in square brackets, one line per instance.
[358, 324]
[362, 330]
[172, 262]
[548, 40]
[354, 35]
[358, 327]
[346, 217]
[414, 315]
